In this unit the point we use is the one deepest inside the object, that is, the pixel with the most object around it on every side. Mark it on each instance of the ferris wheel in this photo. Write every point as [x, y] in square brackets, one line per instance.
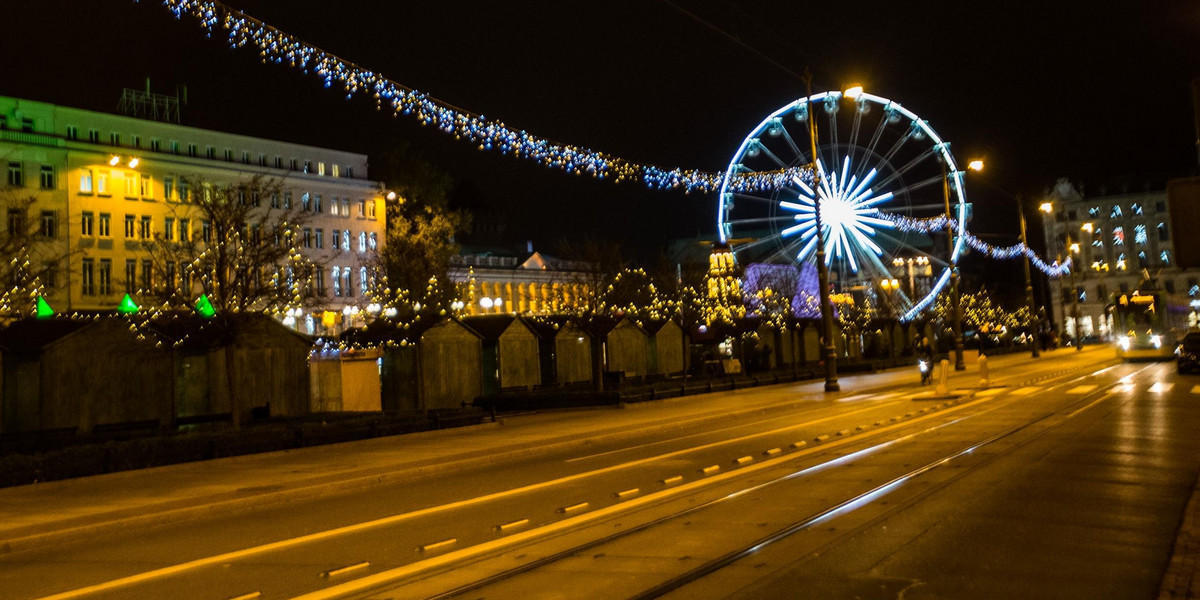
[882, 176]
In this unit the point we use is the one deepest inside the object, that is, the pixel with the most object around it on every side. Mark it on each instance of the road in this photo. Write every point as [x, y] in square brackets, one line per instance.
[1065, 477]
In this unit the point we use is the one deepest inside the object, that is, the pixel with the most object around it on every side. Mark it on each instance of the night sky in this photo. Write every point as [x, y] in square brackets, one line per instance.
[1098, 92]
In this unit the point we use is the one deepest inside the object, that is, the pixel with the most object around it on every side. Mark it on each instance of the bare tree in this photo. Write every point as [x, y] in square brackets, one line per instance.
[239, 243]
[30, 255]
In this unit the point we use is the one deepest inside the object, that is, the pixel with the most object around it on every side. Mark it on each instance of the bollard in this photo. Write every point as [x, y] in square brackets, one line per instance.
[943, 373]
[983, 371]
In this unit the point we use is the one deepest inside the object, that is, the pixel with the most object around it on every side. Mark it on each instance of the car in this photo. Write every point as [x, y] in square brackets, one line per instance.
[1187, 355]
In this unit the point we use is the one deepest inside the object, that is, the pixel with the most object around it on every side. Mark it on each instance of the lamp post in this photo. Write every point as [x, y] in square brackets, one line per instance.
[831, 380]
[1031, 322]
[1070, 248]
[955, 299]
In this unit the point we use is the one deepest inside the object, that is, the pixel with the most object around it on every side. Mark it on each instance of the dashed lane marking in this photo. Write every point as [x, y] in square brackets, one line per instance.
[1161, 387]
[1081, 389]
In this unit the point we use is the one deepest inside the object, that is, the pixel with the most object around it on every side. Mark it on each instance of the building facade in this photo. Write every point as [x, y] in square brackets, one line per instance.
[104, 187]
[529, 284]
[1119, 243]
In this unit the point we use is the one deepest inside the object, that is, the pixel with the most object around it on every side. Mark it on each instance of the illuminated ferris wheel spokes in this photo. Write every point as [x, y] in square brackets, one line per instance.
[887, 166]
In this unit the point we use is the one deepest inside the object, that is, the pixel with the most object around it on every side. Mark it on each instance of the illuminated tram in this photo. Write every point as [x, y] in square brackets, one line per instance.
[1141, 326]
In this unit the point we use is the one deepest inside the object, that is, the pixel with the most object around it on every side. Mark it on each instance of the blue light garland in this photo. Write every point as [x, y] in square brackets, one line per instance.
[279, 47]
[940, 223]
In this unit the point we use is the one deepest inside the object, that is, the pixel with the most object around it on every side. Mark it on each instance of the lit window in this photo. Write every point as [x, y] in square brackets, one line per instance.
[333, 207]
[131, 185]
[362, 208]
[1165, 256]
[1093, 211]
[1116, 212]
[337, 281]
[347, 288]
[346, 240]
[337, 236]
[1118, 236]
[320, 168]
[362, 281]
[362, 241]
[85, 181]
[1136, 208]
[346, 207]
[1139, 234]
[374, 242]
[102, 182]
[335, 170]
[371, 209]
[305, 202]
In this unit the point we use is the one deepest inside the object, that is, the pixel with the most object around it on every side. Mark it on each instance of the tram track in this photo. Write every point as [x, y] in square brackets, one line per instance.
[648, 529]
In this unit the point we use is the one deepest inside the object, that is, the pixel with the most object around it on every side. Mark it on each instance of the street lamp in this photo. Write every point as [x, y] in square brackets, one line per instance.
[1031, 322]
[1071, 247]
[955, 299]
[831, 380]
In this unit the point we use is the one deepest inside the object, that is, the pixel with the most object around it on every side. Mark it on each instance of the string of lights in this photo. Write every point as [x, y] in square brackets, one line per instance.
[282, 48]
[941, 222]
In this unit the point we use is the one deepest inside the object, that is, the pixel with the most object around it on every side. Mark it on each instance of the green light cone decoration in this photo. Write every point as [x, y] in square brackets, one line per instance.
[205, 307]
[43, 309]
[127, 306]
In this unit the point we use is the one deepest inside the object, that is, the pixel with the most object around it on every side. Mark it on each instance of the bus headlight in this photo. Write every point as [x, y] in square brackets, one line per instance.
[1124, 343]
[1156, 340]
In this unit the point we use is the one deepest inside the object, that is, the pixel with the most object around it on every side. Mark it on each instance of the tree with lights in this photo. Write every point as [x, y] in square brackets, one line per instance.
[29, 258]
[239, 243]
[421, 229]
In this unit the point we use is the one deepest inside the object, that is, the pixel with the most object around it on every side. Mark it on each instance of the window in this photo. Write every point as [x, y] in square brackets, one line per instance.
[362, 281]
[131, 185]
[145, 189]
[287, 201]
[337, 236]
[49, 224]
[307, 242]
[210, 152]
[316, 203]
[168, 188]
[168, 228]
[174, 147]
[371, 209]
[192, 150]
[1160, 206]
[206, 230]
[185, 230]
[319, 238]
[262, 159]
[255, 198]
[349, 171]
[1093, 211]
[155, 145]
[1163, 236]
[337, 281]
[333, 207]
[1098, 237]
[305, 202]
[129, 226]
[94, 136]
[86, 276]
[169, 274]
[16, 177]
[135, 141]
[308, 166]
[102, 183]
[346, 207]
[1136, 208]
[347, 288]
[292, 164]
[278, 162]
[86, 222]
[47, 177]
[346, 240]
[131, 275]
[184, 193]
[275, 202]
[1118, 236]
[114, 138]
[228, 155]
[85, 181]
[1165, 257]
[1121, 262]
[374, 241]
[185, 277]
[50, 275]
[1102, 291]
[16, 221]
[362, 241]
[320, 168]
[335, 170]
[146, 228]
[319, 278]
[246, 157]
[147, 275]
[1116, 212]
[1139, 234]
[105, 276]
[72, 132]
[362, 208]
[105, 225]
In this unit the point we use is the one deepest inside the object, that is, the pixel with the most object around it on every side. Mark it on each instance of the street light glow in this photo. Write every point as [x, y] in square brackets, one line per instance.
[975, 165]
[1046, 207]
[854, 91]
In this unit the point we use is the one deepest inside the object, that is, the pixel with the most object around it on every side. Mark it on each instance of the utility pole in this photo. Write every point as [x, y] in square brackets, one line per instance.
[831, 379]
